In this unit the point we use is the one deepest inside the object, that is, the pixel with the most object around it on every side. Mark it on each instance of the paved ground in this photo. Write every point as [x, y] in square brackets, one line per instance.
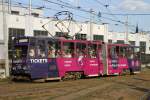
[135, 87]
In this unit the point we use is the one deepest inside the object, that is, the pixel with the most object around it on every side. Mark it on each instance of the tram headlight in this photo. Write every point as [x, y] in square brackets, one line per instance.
[26, 67]
[13, 68]
[19, 67]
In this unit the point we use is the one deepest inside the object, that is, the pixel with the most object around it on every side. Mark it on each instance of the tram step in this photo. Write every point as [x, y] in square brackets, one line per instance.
[55, 78]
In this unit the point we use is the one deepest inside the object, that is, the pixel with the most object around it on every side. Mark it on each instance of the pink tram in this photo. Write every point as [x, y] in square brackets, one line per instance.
[49, 59]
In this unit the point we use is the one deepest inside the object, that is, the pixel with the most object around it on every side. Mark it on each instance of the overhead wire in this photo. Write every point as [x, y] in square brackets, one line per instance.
[83, 10]
[114, 15]
[43, 7]
[72, 7]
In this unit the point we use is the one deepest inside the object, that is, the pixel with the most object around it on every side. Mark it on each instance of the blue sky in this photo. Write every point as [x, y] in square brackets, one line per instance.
[115, 6]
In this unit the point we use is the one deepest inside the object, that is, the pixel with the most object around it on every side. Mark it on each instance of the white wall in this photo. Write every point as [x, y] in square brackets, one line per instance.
[114, 36]
[30, 23]
[15, 21]
[1, 27]
[2, 53]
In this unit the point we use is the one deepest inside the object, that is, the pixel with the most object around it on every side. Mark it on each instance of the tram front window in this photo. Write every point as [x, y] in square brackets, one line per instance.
[133, 53]
[130, 53]
[137, 53]
[20, 52]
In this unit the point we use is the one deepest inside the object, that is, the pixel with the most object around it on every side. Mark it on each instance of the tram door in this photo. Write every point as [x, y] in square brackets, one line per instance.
[38, 59]
[104, 58]
[52, 47]
[134, 59]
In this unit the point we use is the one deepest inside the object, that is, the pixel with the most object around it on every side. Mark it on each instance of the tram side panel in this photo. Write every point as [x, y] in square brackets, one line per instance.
[93, 61]
[66, 65]
[38, 68]
[113, 67]
[123, 63]
[92, 67]
[53, 70]
[134, 65]
[116, 66]
[115, 63]
[134, 59]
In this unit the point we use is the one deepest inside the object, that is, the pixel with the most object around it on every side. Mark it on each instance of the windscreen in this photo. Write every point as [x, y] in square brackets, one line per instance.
[20, 52]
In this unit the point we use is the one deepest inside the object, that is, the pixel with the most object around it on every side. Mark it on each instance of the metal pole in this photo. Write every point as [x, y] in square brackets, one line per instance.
[29, 20]
[9, 10]
[127, 30]
[30, 7]
[91, 11]
[5, 32]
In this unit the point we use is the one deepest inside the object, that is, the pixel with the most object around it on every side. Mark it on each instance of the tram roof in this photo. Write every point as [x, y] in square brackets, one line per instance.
[59, 39]
[118, 44]
[124, 45]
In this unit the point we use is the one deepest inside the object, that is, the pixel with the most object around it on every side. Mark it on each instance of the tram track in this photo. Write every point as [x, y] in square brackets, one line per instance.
[47, 89]
[80, 89]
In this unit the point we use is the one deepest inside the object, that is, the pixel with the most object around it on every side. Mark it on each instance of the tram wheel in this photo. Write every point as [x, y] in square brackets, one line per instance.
[66, 77]
[72, 76]
[78, 75]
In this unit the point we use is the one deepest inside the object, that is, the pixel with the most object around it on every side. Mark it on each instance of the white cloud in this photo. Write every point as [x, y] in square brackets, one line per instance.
[71, 0]
[135, 5]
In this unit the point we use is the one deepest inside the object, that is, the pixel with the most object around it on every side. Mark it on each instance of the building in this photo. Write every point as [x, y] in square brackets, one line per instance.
[16, 21]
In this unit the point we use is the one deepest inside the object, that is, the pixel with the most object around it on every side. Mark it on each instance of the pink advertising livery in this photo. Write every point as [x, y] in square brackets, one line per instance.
[46, 58]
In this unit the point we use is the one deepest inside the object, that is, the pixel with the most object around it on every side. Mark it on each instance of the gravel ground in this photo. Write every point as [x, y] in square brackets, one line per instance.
[127, 87]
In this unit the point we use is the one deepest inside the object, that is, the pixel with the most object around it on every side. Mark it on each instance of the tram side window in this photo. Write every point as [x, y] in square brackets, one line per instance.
[68, 50]
[133, 53]
[51, 49]
[130, 53]
[31, 50]
[114, 52]
[58, 52]
[122, 52]
[137, 53]
[92, 50]
[41, 49]
[81, 49]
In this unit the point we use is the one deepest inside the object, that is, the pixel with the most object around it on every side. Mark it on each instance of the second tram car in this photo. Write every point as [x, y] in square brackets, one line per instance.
[46, 58]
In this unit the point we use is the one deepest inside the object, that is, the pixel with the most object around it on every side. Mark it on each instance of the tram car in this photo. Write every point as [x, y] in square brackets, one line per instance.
[51, 59]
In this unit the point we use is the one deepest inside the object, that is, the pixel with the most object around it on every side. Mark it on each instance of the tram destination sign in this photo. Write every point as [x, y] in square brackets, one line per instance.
[23, 40]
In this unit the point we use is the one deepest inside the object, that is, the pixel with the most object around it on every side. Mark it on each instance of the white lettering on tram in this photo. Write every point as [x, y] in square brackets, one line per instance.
[115, 65]
[67, 61]
[67, 65]
[38, 60]
[92, 61]
[93, 64]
